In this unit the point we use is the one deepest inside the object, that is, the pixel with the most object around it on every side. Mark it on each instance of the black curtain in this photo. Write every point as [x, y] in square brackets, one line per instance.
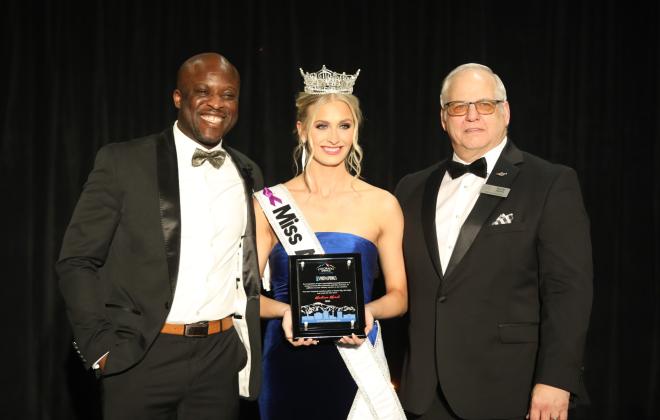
[582, 81]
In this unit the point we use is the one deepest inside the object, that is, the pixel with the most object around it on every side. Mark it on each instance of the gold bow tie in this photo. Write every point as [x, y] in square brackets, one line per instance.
[216, 158]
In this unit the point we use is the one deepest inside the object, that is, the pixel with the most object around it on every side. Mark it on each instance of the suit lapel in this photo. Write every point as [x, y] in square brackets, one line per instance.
[502, 175]
[170, 207]
[428, 215]
[245, 171]
[252, 288]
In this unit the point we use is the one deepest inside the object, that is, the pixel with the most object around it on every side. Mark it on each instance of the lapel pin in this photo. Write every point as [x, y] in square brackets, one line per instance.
[501, 174]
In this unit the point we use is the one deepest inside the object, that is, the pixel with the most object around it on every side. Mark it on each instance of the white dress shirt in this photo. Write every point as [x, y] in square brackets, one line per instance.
[213, 221]
[456, 198]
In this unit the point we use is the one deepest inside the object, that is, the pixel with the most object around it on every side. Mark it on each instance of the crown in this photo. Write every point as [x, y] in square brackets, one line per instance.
[328, 81]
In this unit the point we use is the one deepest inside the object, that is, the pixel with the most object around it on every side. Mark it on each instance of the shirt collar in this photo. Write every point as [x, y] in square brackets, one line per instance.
[186, 146]
[491, 156]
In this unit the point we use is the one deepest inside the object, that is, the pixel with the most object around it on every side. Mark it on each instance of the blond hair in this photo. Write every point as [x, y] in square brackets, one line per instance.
[308, 101]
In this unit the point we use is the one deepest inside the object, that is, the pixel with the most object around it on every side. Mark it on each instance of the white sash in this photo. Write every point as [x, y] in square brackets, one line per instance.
[375, 398]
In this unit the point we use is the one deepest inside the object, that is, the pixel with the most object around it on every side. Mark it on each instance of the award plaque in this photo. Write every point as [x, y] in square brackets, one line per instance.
[327, 299]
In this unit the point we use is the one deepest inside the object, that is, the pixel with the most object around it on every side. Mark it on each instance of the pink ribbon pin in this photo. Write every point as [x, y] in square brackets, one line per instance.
[271, 197]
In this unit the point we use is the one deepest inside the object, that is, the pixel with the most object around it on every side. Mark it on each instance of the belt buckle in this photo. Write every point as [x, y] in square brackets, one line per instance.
[198, 329]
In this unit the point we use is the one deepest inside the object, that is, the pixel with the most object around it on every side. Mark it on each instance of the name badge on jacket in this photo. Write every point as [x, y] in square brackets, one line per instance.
[495, 190]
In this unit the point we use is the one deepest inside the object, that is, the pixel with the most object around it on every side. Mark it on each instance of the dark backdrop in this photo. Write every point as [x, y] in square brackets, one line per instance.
[582, 81]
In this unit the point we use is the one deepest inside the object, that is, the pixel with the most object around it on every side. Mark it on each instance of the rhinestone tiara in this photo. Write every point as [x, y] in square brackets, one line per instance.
[328, 81]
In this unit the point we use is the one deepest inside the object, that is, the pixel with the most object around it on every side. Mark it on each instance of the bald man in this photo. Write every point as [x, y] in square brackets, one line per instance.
[158, 266]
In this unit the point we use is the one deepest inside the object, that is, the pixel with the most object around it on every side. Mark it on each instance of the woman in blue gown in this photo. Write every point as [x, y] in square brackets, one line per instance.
[303, 378]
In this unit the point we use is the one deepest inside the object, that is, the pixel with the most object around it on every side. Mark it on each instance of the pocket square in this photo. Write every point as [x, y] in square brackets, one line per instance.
[503, 219]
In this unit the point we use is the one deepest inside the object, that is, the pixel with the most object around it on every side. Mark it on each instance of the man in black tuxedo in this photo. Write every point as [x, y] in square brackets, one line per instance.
[498, 257]
[158, 266]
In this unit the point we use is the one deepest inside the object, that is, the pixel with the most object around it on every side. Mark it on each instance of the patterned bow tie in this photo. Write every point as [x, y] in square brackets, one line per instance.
[478, 167]
[216, 158]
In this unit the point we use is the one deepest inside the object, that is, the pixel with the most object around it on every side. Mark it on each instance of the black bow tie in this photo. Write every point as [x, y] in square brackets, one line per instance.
[478, 167]
[216, 158]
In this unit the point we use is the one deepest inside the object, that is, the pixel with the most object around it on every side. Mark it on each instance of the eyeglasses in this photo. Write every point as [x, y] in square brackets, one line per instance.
[460, 108]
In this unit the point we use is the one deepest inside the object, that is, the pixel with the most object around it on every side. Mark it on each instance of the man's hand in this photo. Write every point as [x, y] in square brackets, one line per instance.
[548, 403]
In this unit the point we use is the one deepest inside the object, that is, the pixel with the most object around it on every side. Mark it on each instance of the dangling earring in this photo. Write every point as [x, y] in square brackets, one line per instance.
[304, 156]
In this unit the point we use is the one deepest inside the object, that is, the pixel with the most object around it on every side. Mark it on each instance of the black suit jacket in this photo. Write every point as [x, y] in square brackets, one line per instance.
[513, 306]
[119, 261]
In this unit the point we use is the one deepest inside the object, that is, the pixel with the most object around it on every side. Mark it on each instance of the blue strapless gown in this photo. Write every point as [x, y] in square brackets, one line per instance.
[309, 382]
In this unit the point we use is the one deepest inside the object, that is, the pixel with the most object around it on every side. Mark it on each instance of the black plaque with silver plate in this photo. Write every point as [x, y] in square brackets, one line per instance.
[327, 299]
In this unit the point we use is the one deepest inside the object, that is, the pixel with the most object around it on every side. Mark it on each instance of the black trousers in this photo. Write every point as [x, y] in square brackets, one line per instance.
[440, 410]
[180, 378]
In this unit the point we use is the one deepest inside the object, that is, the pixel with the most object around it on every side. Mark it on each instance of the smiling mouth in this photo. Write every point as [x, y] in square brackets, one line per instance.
[331, 150]
[212, 119]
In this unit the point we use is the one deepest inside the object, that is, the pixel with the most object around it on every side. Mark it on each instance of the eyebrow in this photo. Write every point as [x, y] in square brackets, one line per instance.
[341, 121]
[476, 100]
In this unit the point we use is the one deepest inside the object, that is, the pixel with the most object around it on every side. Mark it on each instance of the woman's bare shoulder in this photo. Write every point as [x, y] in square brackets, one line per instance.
[363, 186]
[296, 185]
[377, 197]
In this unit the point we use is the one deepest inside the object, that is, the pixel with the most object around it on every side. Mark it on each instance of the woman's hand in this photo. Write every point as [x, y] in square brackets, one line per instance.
[288, 331]
[354, 339]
